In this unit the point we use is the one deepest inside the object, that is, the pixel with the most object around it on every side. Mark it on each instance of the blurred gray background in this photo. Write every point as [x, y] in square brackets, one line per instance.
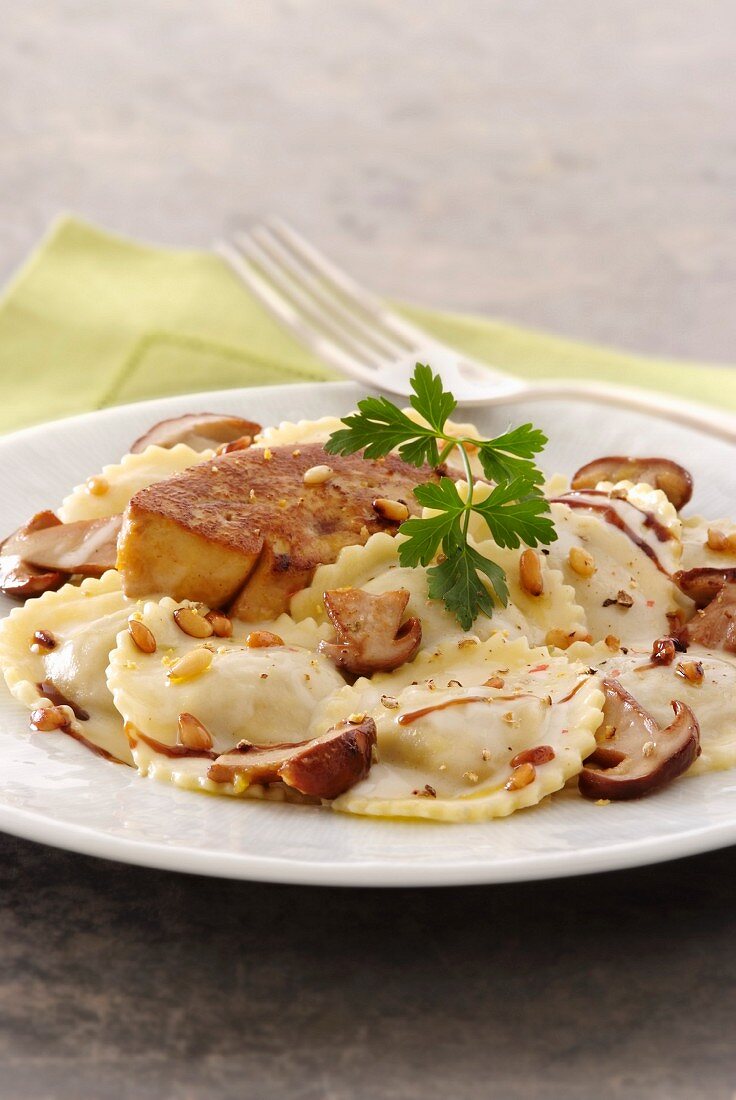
[568, 165]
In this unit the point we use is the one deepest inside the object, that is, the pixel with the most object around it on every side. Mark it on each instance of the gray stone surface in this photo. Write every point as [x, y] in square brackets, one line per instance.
[568, 165]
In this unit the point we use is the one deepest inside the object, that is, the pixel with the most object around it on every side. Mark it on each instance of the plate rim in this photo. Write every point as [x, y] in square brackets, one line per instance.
[32, 825]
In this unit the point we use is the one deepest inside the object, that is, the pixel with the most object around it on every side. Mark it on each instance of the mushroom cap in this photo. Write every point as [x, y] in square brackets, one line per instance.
[18, 578]
[322, 767]
[703, 583]
[662, 473]
[634, 756]
[369, 634]
[87, 547]
[714, 626]
[200, 431]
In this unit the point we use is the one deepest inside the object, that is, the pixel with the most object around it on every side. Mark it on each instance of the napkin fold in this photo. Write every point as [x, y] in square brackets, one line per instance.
[93, 320]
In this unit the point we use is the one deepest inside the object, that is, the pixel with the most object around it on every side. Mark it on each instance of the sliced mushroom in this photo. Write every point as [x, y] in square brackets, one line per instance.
[323, 767]
[200, 431]
[703, 583]
[369, 634]
[715, 626]
[88, 547]
[17, 577]
[634, 756]
[673, 479]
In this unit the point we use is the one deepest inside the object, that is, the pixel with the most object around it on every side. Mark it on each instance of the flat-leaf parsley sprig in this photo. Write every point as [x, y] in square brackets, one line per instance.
[515, 510]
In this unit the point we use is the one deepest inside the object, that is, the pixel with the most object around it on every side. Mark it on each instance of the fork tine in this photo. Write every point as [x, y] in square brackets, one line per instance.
[414, 338]
[310, 311]
[290, 319]
[303, 274]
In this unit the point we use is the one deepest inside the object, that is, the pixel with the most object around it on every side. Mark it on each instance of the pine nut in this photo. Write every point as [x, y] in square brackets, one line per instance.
[97, 486]
[541, 754]
[240, 444]
[493, 682]
[46, 719]
[581, 562]
[192, 623]
[724, 544]
[317, 475]
[192, 664]
[192, 734]
[221, 625]
[530, 573]
[612, 642]
[395, 511]
[262, 639]
[562, 639]
[521, 777]
[142, 637]
[692, 671]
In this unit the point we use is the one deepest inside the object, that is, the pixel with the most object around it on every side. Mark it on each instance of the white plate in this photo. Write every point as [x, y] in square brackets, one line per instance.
[55, 791]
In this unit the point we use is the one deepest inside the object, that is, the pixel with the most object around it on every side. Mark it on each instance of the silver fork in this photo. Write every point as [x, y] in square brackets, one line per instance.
[353, 331]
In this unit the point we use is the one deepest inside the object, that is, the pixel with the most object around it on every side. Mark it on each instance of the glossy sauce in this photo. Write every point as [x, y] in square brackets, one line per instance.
[609, 513]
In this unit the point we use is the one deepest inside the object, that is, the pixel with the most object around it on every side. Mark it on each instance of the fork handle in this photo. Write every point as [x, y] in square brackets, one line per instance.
[691, 414]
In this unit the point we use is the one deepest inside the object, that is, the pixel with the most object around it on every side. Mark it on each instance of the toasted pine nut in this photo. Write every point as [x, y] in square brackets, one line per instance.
[44, 639]
[192, 734]
[262, 639]
[240, 444]
[725, 544]
[541, 754]
[581, 562]
[530, 573]
[192, 623]
[493, 682]
[221, 625]
[612, 642]
[317, 475]
[395, 511]
[142, 637]
[521, 776]
[356, 719]
[46, 719]
[191, 664]
[97, 486]
[692, 671]
[390, 702]
[562, 639]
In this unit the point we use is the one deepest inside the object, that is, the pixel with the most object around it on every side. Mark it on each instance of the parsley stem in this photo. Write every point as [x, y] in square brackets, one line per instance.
[469, 501]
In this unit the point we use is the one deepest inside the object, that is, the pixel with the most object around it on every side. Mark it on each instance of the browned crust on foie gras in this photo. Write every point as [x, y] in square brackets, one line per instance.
[247, 518]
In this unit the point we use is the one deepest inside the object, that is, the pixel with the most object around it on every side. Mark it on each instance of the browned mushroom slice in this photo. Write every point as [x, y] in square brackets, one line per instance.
[673, 479]
[88, 547]
[200, 431]
[17, 577]
[634, 756]
[323, 767]
[369, 637]
[703, 583]
[715, 626]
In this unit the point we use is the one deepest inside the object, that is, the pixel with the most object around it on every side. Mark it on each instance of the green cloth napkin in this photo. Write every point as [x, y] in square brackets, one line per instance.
[93, 320]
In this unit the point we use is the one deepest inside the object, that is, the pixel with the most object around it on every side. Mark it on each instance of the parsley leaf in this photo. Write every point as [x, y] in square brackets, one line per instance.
[455, 580]
[514, 515]
[515, 510]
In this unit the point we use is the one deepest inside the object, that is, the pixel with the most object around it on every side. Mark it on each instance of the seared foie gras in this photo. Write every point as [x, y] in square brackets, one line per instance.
[248, 529]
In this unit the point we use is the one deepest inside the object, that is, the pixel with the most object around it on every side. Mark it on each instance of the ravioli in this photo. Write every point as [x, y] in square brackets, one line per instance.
[713, 701]
[630, 593]
[84, 622]
[375, 568]
[696, 553]
[121, 480]
[450, 724]
[302, 431]
[263, 695]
